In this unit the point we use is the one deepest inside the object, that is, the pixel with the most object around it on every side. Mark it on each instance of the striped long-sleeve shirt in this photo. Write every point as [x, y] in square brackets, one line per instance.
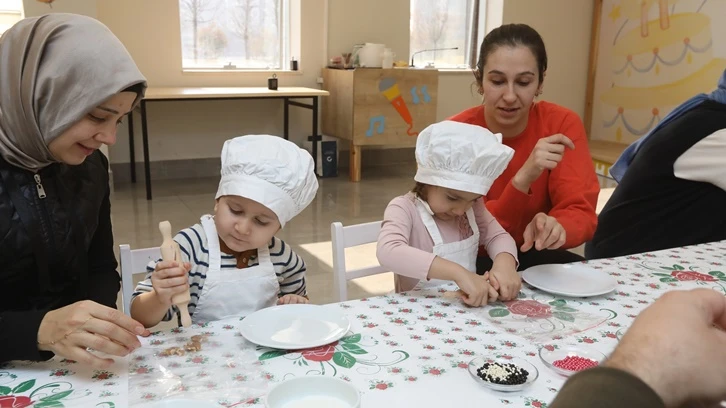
[289, 267]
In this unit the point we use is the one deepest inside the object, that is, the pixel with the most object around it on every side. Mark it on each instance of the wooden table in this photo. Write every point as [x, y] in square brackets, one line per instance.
[201, 93]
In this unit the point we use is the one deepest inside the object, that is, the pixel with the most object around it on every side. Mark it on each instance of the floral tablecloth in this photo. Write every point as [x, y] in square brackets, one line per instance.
[63, 383]
[409, 348]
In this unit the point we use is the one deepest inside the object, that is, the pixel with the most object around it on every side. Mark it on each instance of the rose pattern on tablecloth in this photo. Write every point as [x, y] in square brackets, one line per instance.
[678, 273]
[62, 372]
[51, 384]
[437, 336]
[529, 308]
[346, 353]
[50, 394]
[12, 401]
[380, 385]
[535, 403]
[543, 317]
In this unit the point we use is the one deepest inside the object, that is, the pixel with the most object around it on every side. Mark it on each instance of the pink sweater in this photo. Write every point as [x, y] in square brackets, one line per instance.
[406, 248]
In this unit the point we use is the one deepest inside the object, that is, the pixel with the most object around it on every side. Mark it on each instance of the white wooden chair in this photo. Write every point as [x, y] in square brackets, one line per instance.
[134, 262]
[347, 237]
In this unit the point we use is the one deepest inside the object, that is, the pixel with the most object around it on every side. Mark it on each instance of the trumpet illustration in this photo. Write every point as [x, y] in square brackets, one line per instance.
[389, 88]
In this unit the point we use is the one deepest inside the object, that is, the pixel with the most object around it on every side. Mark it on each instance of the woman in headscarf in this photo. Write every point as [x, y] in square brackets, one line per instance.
[65, 83]
[672, 183]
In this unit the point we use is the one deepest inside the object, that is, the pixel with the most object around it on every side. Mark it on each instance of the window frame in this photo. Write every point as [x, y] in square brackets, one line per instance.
[476, 10]
[289, 34]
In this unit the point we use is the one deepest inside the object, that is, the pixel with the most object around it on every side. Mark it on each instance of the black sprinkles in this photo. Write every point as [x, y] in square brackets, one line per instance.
[502, 374]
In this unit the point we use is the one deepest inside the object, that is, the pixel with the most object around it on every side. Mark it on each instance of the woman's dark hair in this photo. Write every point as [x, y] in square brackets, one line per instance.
[138, 89]
[512, 35]
[420, 190]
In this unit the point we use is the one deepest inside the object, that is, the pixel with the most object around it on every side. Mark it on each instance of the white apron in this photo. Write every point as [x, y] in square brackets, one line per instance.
[234, 292]
[463, 252]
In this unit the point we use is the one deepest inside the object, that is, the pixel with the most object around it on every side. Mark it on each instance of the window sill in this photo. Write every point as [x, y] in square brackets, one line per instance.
[455, 71]
[446, 71]
[266, 72]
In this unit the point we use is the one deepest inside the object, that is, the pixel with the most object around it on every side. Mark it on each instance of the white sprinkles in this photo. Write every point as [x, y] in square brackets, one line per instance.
[503, 374]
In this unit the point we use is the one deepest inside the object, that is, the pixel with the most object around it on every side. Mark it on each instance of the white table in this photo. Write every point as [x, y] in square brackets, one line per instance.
[403, 349]
[224, 93]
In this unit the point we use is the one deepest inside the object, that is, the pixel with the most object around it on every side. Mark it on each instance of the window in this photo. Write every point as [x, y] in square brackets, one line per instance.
[11, 11]
[235, 34]
[447, 24]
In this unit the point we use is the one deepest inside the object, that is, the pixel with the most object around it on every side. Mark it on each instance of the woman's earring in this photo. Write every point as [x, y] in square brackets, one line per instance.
[534, 100]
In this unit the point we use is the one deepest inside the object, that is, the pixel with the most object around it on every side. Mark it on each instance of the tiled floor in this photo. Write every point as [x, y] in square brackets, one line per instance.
[182, 202]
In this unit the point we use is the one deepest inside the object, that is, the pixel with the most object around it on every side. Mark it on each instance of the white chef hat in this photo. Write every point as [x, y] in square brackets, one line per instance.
[460, 156]
[269, 170]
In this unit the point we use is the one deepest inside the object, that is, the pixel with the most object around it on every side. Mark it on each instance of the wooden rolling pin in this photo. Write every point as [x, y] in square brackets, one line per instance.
[170, 252]
[453, 294]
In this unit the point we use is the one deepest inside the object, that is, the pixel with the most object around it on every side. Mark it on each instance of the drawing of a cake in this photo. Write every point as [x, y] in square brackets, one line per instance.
[656, 66]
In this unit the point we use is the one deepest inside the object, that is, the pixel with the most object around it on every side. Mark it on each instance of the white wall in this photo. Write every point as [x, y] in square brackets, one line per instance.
[35, 8]
[565, 26]
[186, 130]
[353, 22]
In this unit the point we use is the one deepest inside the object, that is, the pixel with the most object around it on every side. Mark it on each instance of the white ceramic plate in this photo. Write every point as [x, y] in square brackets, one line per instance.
[576, 280]
[313, 392]
[294, 327]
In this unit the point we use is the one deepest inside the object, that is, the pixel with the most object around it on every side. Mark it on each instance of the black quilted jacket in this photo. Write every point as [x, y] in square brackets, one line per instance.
[56, 247]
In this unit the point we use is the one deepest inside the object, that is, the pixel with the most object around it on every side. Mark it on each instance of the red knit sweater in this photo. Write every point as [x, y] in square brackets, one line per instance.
[568, 193]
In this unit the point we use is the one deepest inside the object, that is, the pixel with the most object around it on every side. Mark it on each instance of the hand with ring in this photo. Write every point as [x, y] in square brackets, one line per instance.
[71, 330]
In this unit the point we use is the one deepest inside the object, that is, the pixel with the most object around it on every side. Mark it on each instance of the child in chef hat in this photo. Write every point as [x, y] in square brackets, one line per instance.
[232, 262]
[432, 234]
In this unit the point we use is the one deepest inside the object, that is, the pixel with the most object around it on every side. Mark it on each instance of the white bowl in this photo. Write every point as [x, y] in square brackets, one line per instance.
[313, 392]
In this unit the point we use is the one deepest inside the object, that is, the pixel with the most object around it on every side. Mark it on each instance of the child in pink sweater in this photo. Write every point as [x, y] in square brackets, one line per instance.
[431, 235]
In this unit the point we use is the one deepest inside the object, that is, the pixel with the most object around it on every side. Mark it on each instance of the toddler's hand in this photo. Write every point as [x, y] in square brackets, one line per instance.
[476, 288]
[170, 278]
[506, 281]
[292, 300]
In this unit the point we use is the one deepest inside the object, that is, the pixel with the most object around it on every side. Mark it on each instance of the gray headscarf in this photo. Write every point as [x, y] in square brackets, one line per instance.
[54, 69]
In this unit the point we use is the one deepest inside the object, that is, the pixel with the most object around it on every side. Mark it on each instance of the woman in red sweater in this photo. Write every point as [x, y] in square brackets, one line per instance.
[546, 197]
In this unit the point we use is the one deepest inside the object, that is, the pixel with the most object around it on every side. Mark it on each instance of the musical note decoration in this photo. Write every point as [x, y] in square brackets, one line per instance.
[424, 92]
[380, 120]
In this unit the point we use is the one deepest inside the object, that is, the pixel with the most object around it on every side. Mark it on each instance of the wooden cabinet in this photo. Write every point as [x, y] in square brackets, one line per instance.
[378, 107]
